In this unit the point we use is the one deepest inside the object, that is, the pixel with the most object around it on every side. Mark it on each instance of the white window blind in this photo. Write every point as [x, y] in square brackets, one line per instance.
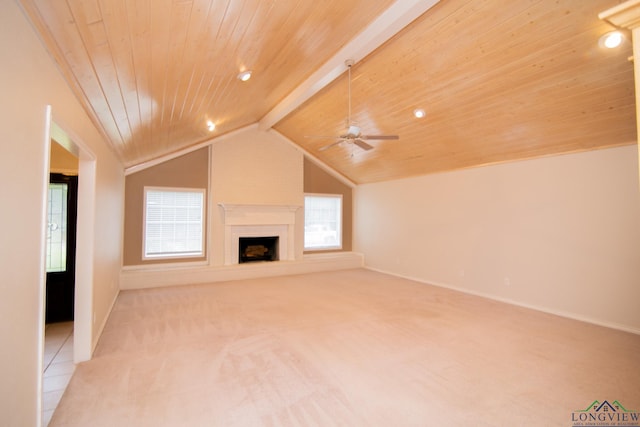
[322, 221]
[173, 222]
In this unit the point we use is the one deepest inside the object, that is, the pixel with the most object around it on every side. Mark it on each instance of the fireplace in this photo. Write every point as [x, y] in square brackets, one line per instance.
[251, 249]
[259, 221]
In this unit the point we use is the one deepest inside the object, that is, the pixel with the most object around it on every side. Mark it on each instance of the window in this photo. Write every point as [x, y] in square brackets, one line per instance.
[322, 221]
[173, 222]
[57, 228]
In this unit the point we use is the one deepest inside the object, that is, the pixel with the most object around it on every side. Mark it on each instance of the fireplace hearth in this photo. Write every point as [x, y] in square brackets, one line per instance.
[253, 249]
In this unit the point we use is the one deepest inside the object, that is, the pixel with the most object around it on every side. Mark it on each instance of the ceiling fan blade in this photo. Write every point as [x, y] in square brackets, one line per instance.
[360, 143]
[330, 145]
[379, 137]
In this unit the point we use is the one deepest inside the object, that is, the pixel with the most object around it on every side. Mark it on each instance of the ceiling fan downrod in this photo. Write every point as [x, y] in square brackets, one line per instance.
[349, 63]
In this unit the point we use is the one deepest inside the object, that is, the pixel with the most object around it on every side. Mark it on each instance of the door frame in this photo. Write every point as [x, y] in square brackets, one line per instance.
[85, 231]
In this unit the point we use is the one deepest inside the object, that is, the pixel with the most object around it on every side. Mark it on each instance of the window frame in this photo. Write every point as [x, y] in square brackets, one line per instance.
[340, 219]
[203, 221]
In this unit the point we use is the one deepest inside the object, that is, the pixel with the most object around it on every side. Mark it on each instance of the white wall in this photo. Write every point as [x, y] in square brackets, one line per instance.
[561, 234]
[29, 81]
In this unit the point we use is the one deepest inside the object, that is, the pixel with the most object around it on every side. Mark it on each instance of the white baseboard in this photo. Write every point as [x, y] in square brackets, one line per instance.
[98, 334]
[143, 278]
[568, 315]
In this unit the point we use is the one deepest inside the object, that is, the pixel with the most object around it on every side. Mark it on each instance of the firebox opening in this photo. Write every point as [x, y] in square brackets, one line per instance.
[258, 249]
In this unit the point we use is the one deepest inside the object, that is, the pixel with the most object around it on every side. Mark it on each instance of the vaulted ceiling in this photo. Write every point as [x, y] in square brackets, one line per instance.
[499, 81]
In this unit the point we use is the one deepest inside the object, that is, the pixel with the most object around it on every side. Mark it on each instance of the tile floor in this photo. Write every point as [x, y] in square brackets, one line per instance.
[58, 366]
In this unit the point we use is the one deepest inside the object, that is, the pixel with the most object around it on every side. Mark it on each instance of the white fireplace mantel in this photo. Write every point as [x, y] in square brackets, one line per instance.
[245, 220]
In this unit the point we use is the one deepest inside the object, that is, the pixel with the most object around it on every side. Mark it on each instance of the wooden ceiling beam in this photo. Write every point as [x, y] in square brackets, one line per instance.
[388, 24]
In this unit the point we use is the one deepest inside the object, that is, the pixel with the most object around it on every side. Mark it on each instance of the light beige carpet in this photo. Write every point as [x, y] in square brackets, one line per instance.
[349, 348]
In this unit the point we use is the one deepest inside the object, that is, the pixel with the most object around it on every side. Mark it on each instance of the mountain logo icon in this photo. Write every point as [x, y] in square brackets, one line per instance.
[605, 406]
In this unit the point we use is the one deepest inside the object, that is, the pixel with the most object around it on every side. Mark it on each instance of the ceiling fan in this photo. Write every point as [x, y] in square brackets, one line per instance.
[353, 133]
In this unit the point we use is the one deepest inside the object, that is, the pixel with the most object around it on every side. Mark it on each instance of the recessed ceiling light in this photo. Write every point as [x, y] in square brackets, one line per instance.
[244, 76]
[211, 126]
[611, 40]
[419, 113]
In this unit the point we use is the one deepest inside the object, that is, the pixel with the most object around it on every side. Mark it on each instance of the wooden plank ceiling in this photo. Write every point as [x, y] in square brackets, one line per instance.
[499, 81]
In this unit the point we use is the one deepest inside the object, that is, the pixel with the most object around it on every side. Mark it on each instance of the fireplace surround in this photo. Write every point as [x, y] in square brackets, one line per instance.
[252, 221]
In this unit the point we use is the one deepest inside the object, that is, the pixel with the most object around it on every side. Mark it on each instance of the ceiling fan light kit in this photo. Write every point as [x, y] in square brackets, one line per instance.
[353, 133]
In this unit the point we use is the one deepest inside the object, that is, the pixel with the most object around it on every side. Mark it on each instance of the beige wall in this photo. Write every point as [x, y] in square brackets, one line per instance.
[316, 180]
[250, 167]
[29, 81]
[561, 233]
[188, 171]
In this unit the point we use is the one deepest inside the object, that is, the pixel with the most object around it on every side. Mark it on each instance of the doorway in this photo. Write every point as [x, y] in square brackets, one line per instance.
[61, 248]
[70, 156]
[60, 289]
